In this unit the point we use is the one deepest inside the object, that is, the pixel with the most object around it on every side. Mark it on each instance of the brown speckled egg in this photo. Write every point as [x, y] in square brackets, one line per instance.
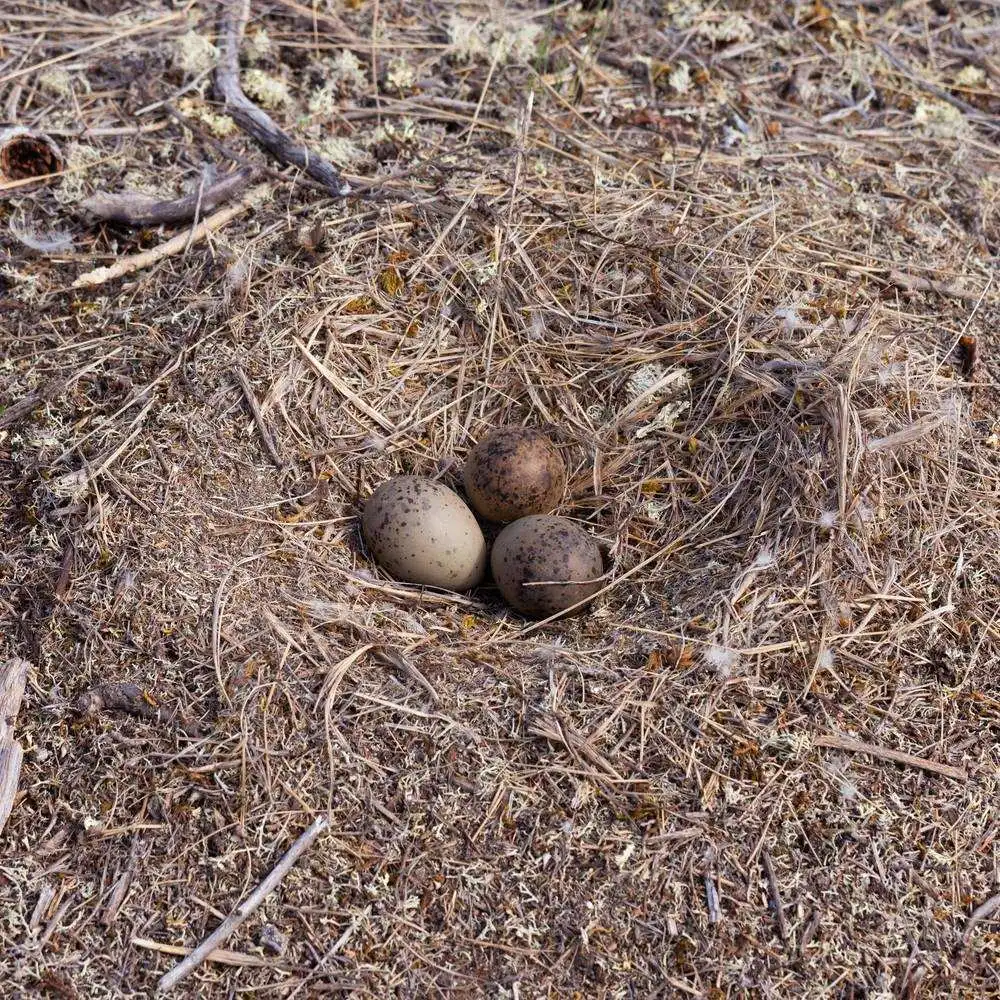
[540, 549]
[514, 472]
[422, 532]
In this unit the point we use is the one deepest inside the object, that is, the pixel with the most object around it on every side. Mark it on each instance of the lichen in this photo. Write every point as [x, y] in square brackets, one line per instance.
[194, 54]
[269, 91]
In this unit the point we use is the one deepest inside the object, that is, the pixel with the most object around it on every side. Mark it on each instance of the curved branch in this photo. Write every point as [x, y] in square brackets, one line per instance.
[140, 210]
[256, 123]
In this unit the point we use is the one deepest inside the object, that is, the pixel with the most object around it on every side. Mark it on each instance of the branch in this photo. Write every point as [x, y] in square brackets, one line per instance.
[13, 675]
[178, 244]
[915, 283]
[266, 437]
[982, 912]
[837, 742]
[222, 933]
[134, 209]
[256, 123]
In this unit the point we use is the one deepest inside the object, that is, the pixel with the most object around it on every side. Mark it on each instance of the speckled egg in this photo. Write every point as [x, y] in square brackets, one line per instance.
[546, 550]
[514, 472]
[422, 532]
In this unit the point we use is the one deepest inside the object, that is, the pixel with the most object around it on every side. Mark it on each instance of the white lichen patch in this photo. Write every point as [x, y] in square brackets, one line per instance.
[80, 158]
[680, 78]
[465, 39]
[219, 125]
[732, 28]
[495, 40]
[325, 101]
[970, 76]
[941, 119]
[517, 44]
[142, 182]
[58, 81]
[347, 70]
[268, 91]
[194, 53]
[257, 46]
[400, 76]
[343, 152]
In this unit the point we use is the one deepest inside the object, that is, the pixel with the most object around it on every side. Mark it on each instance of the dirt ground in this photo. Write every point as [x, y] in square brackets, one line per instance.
[740, 261]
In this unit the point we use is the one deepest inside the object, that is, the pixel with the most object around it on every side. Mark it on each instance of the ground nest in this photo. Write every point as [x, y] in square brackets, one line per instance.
[739, 263]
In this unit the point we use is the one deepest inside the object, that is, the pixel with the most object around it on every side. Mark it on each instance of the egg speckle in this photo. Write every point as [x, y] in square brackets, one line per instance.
[514, 472]
[550, 551]
[421, 532]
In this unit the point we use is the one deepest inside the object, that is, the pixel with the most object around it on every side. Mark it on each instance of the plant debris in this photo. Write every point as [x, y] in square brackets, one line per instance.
[733, 262]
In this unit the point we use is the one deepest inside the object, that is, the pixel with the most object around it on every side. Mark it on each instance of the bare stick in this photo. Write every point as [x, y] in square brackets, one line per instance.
[992, 121]
[982, 912]
[13, 675]
[221, 955]
[914, 283]
[270, 446]
[132, 700]
[395, 659]
[127, 265]
[838, 742]
[222, 933]
[779, 906]
[24, 407]
[132, 209]
[233, 18]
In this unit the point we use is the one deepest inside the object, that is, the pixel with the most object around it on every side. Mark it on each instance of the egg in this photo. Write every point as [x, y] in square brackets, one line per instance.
[514, 472]
[545, 549]
[422, 532]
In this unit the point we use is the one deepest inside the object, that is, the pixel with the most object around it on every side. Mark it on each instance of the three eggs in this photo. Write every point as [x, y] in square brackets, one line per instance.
[422, 532]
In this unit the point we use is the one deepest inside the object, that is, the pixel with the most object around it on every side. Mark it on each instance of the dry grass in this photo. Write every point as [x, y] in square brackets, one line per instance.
[604, 808]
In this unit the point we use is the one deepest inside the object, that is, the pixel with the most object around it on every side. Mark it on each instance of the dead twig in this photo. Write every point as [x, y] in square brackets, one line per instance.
[991, 121]
[266, 437]
[133, 700]
[132, 209]
[233, 17]
[128, 265]
[222, 933]
[837, 742]
[914, 283]
[776, 902]
[982, 912]
[16, 412]
[13, 676]
[223, 956]
[389, 656]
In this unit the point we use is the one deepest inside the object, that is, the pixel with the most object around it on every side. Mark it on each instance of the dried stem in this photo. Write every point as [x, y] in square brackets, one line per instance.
[132, 209]
[224, 931]
[233, 18]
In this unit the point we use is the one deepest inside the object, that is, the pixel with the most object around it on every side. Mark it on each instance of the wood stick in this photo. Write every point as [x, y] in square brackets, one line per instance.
[132, 209]
[267, 438]
[344, 389]
[992, 121]
[13, 676]
[915, 283]
[982, 912]
[222, 933]
[221, 955]
[837, 742]
[233, 17]
[779, 906]
[128, 265]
